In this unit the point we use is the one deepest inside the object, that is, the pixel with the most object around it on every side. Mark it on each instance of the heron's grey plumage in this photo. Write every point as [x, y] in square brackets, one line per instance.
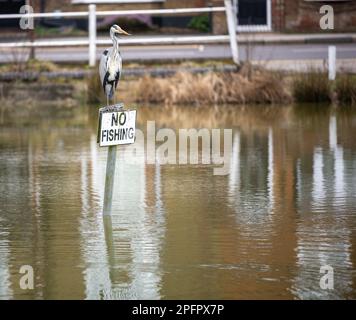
[110, 67]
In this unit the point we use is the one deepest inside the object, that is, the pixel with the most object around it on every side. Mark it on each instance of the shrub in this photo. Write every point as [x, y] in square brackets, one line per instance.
[200, 23]
[346, 89]
[313, 86]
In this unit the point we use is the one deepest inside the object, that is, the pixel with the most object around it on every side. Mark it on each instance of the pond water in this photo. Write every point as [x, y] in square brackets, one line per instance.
[286, 209]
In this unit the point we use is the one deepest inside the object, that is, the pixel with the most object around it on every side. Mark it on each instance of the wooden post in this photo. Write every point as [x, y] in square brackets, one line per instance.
[111, 121]
[231, 25]
[110, 248]
[92, 34]
[110, 165]
[332, 62]
[31, 36]
[108, 234]
[109, 180]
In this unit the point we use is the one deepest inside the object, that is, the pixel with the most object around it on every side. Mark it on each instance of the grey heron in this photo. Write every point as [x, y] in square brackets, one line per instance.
[110, 66]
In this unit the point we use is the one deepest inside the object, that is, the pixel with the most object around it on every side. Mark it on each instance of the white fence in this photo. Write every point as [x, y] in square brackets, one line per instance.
[92, 41]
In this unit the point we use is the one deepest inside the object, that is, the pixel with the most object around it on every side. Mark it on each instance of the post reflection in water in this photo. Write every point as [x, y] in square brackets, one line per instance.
[5, 290]
[270, 170]
[131, 242]
[318, 193]
[287, 208]
[234, 178]
[325, 237]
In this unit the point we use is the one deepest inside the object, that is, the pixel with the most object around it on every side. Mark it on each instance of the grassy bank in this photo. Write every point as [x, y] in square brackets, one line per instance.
[212, 88]
[314, 86]
[213, 82]
[346, 89]
[248, 85]
[243, 87]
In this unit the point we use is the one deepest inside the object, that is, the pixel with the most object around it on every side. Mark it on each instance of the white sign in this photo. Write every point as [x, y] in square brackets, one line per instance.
[118, 127]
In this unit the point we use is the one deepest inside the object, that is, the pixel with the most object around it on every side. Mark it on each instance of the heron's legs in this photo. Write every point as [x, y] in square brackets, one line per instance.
[107, 100]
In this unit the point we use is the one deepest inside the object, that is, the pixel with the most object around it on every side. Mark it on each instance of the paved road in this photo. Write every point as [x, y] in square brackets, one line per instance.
[209, 51]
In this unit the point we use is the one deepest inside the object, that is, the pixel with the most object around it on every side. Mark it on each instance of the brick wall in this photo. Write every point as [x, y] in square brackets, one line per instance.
[66, 5]
[184, 3]
[219, 18]
[302, 16]
[299, 16]
[278, 15]
[51, 5]
[287, 15]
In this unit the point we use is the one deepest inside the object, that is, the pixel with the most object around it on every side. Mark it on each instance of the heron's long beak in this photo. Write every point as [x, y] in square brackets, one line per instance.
[121, 31]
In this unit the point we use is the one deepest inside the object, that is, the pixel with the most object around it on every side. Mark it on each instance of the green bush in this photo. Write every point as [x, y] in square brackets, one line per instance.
[346, 89]
[313, 86]
[200, 23]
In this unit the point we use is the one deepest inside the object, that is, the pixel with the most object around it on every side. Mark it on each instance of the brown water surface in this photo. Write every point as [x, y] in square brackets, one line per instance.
[287, 208]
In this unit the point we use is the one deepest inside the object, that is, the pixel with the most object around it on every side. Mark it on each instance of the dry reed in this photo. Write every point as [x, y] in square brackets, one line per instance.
[212, 88]
[94, 89]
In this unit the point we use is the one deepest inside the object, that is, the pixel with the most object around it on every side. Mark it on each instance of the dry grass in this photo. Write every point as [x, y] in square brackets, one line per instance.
[250, 85]
[94, 89]
[32, 65]
[95, 93]
[346, 89]
[41, 66]
[212, 88]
